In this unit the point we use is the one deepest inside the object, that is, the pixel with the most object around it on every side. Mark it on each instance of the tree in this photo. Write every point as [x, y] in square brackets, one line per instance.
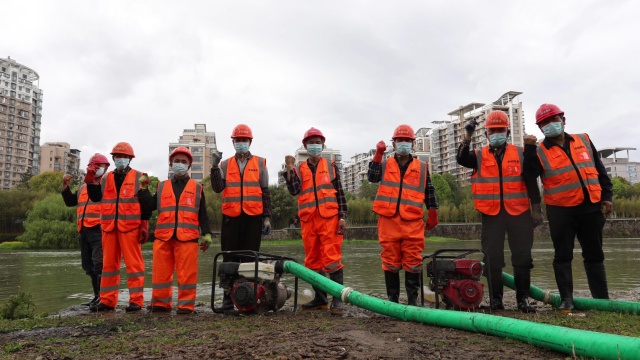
[458, 194]
[621, 187]
[50, 225]
[368, 190]
[24, 180]
[49, 181]
[443, 191]
[284, 206]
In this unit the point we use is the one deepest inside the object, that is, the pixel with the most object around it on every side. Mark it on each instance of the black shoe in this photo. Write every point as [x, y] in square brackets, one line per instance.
[158, 309]
[412, 285]
[392, 283]
[100, 307]
[184, 311]
[497, 305]
[94, 301]
[566, 306]
[525, 307]
[227, 303]
[319, 302]
[133, 307]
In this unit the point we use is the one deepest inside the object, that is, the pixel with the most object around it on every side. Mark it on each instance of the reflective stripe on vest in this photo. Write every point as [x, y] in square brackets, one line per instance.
[188, 226]
[413, 185]
[120, 210]
[242, 190]
[87, 212]
[562, 180]
[317, 192]
[486, 185]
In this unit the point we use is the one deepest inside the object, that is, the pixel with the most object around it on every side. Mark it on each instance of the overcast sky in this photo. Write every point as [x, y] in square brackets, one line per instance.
[142, 71]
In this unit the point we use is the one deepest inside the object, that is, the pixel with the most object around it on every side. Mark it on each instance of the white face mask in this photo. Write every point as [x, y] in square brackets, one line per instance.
[179, 169]
[121, 163]
[100, 172]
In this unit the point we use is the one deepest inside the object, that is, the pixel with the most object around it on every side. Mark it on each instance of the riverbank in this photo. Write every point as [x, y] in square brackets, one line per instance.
[359, 334]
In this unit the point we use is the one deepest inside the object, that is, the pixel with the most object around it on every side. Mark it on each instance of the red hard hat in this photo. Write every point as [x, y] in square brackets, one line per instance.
[404, 131]
[242, 131]
[123, 148]
[547, 111]
[181, 150]
[312, 132]
[496, 119]
[98, 159]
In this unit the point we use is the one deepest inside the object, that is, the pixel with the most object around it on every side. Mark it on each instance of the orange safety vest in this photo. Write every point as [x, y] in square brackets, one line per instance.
[120, 211]
[88, 212]
[317, 193]
[410, 189]
[563, 178]
[487, 184]
[242, 190]
[188, 226]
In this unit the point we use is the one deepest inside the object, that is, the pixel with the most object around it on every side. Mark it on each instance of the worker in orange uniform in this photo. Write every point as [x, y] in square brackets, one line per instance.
[322, 209]
[89, 232]
[502, 195]
[578, 194]
[182, 217]
[125, 227]
[405, 186]
[243, 181]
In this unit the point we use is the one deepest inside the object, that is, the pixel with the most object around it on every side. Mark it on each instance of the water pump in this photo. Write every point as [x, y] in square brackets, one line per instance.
[457, 280]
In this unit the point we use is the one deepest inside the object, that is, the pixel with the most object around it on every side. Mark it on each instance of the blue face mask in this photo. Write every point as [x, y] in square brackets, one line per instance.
[553, 129]
[121, 163]
[241, 147]
[497, 139]
[314, 149]
[179, 169]
[403, 148]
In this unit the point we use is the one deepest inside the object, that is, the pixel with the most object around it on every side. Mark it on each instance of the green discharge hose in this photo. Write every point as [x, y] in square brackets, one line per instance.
[565, 340]
[580, 303]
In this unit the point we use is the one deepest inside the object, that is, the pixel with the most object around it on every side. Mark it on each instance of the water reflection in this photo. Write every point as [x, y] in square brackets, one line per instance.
[56, 280]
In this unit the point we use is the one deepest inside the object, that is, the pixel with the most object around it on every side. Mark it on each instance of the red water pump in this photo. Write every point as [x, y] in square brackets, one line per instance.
[457, 280]
[251, 293]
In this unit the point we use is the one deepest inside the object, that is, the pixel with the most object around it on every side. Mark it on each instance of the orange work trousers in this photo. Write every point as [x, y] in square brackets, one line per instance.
[181, 256]
[322, 244]
[115, 244]
[402, 243]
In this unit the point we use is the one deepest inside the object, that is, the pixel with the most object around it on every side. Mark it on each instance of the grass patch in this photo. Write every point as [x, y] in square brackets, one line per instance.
[18, 307]
[13, 245]
[443, 239]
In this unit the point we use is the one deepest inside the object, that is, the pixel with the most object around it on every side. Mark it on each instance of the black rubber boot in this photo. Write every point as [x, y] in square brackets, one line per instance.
[522, 279]
[336, 305]
[319, 302]
[227, 303]
[597, 279]
[412, 284]
[392, 281]
[497, 289]
[564, 280]
[100, 307]
[95, 284]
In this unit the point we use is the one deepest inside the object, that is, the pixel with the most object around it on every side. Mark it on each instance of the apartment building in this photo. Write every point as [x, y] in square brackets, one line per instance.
[302, 155]
[447, 136]
[619, 166]
[20, 119]
[59, 156]
[202, 145]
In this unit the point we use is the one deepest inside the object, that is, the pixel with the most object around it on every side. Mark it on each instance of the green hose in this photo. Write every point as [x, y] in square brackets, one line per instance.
[565, 340]
[546, 297]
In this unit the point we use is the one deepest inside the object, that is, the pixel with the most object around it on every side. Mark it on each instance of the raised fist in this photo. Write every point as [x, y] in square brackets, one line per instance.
[530, 139]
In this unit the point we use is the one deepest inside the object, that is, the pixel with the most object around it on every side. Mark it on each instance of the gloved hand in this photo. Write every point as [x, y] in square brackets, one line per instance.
[380, 149]
[536, 214]
[90, 178]
[66, 180]
[144, 181]
[266, 226]
[470, 128]
[215, 159]
[205, 242]
[290, 163]
[432, 219]
[342, 226]
[144, 231]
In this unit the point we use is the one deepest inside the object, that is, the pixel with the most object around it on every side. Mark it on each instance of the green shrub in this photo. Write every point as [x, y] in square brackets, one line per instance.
[18, 307]
[14, 245]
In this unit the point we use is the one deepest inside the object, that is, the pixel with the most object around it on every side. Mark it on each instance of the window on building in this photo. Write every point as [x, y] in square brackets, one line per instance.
[196, 176]
[196, 167]
[197, 159]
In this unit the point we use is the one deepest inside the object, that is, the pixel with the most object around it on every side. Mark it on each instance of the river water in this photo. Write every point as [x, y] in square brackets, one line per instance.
[56, 280]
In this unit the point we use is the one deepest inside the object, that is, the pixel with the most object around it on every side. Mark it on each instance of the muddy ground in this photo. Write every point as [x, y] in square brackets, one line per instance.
[358, 334]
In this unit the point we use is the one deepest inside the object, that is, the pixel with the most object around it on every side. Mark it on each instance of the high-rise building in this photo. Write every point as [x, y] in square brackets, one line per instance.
[446, 138]
[20, 119]
[202, 145]
[59, 156]
[302, 155]
[619, 166]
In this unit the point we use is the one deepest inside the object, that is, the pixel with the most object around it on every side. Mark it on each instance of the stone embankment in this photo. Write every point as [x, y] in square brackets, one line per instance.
[614, 228]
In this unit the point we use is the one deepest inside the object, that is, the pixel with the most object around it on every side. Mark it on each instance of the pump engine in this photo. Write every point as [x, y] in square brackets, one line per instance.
[457, 280]
[250, 293]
